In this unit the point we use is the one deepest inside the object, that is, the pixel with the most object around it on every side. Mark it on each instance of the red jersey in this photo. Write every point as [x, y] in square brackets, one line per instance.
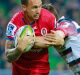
[30, 62]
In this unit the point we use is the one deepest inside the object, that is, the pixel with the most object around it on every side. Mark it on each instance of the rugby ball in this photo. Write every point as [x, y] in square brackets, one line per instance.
[21, 32]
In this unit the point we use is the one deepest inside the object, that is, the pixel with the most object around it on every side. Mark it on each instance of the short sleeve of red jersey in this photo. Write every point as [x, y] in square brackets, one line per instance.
[10, 31]
[12, 26]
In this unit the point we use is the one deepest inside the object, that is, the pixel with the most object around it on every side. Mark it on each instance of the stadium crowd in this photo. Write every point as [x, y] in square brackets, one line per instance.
[69, 8]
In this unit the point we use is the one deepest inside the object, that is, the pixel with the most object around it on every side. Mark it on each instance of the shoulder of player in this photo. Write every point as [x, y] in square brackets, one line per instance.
[17, 16]
[14, 24]
[47, 14]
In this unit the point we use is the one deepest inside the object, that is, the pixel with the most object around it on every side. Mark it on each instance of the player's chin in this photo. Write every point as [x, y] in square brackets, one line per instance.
[36, 17]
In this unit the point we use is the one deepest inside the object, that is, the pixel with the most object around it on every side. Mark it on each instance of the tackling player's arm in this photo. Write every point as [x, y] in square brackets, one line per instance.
[56, 38]
[40, 42]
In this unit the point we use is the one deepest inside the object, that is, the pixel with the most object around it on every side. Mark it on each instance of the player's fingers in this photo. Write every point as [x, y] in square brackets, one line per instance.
[50, 38]
[52, 31]
[19, 40]
[30, 40]
[50, 35]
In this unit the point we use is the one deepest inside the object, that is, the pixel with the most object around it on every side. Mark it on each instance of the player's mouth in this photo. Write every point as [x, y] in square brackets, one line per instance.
[36, 16]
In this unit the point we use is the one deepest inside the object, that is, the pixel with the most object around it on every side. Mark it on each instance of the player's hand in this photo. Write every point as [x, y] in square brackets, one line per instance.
[55, 38]
[40, 42]
[22, 43]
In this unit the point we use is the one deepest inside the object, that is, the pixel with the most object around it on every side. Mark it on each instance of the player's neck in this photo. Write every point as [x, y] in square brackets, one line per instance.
[30, 20]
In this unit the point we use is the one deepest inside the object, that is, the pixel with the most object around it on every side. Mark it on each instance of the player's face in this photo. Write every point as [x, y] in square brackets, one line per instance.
[33, 9]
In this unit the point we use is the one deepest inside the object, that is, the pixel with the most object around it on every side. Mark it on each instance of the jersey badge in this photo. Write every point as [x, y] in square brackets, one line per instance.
[43, 31]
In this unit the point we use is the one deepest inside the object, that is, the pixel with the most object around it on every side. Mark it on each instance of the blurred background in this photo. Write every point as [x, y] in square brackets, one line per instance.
[69, 8]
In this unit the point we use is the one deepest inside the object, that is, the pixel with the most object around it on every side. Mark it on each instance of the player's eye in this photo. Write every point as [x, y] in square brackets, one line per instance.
[35, 7]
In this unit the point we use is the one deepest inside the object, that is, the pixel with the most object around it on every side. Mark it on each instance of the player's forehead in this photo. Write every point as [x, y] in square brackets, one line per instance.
[35, 2]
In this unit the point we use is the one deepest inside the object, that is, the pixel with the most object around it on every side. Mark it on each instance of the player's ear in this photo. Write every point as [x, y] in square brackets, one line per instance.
[24, 7]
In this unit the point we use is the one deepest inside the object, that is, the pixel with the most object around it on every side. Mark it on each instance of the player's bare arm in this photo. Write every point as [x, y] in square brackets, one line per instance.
[13, 53]
[56, 37]
[40, 42]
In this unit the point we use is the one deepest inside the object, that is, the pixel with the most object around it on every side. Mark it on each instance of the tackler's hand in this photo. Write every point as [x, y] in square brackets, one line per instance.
[56, 37]
[40, 42]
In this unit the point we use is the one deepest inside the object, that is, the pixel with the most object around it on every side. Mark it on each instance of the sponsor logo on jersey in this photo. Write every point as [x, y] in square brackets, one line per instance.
[11, 28]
